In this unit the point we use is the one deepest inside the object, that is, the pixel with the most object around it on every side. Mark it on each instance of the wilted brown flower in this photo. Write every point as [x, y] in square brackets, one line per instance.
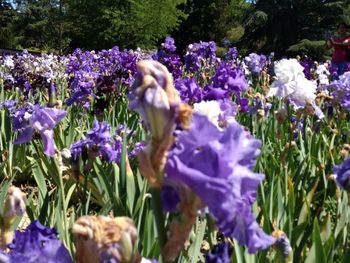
[102, 238]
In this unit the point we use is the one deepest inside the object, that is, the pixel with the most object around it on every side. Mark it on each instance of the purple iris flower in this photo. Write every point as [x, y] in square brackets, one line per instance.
[189, 90]
[138, 147]
[98, 139]
[19, 122]
[169, 44]
[218, 167]
[307, 63]
[228, 112]
[342, 172]
[42, 120]
[231, 54]
[36, 244]
[211, 93]
[255, 63]
[82, 87]
[341, 90]
[8, 104]
[226, 82]
[117, 147]
[221, 253]
[229, 79]
[243, 104]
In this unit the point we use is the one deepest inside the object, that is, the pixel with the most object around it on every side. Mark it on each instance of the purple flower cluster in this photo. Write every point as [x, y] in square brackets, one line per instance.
[255, 63]
[29, 73]
[200, 55]
[36, 244]
[230, 80]
[102, 144]
[95, 74]
[218, 167]
[227, 81]
[169, 59]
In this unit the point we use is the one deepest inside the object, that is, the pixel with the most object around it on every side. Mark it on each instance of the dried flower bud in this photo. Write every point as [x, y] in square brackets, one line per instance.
[15, 203]
[260, 113]
[103, 238]
[281, 115]
[344, 153]
[309, 109]
[14, 206]
[282, 244]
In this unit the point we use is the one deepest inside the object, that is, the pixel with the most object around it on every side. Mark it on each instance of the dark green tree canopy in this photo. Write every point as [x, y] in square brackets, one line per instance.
[277, 25]
[282, 26]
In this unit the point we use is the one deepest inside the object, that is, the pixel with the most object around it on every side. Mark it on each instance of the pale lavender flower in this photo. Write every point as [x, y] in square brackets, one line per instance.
[255, 63]
[341, 90]
[41, 120]
[218, 167]
[228, 112]
[8, 104]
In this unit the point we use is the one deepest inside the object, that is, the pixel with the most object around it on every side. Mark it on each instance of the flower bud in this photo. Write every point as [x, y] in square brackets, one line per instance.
[282, 245]
[154, 97]
[14, 206]
[281, 115]
[260, 113]
[103, 238]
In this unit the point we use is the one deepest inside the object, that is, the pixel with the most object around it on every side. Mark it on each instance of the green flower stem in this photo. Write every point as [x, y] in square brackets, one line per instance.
[159, 216]
[64, 205]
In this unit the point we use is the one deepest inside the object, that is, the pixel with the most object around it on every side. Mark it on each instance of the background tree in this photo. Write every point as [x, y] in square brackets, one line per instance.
[277, 25]
[286, 27]
[152, 20]
[7, 20]
[41, 25]
[211, 20]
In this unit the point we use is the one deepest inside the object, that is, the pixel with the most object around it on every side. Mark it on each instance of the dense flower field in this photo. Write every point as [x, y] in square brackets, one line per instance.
[130, 156]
